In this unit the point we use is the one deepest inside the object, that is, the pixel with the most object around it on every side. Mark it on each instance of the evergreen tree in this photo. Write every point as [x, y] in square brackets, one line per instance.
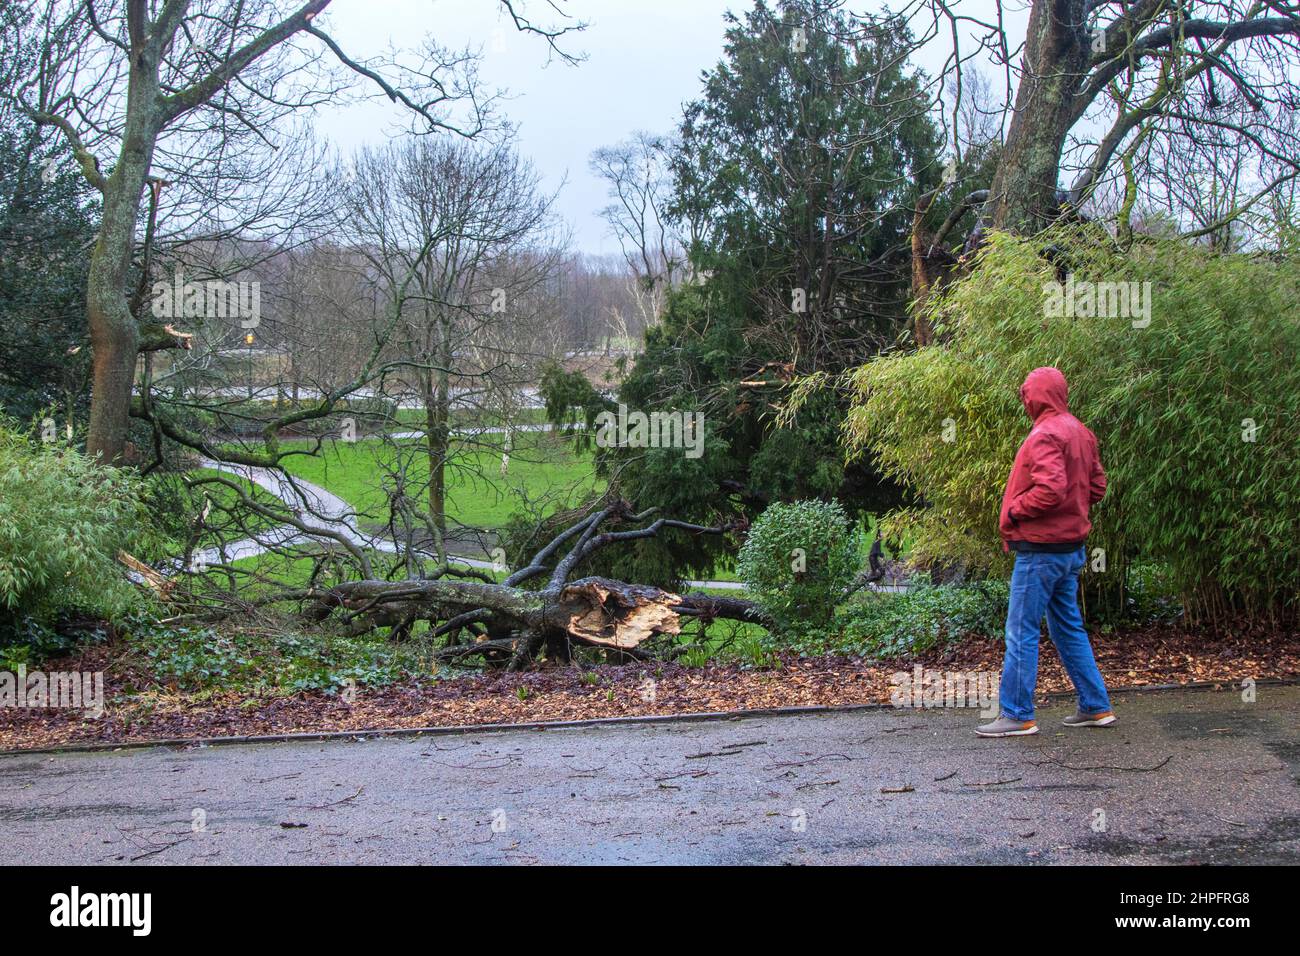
[795, 180]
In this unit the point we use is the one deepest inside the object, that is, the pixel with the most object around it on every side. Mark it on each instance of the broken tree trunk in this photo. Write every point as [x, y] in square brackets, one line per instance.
[597, 612]
[509, 622]
[146, 575]
[607, 613]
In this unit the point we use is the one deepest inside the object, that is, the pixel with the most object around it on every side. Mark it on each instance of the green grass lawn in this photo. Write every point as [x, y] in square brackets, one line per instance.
[543, 469]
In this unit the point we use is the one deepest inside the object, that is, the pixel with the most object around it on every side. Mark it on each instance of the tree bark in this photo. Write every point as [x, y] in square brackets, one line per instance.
[1022, 197]
[596, 612]
[435, 441]
[512, 623]
[114, 332]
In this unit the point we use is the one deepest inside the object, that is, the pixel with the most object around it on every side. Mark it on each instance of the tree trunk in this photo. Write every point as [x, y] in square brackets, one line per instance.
[439, 419]
[437, 440]
[114, 332]
[594, 611]
[1023, 195]
[113, 341]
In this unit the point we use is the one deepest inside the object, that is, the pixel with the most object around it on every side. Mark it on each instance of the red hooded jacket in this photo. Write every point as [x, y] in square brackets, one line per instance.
[1057, 474]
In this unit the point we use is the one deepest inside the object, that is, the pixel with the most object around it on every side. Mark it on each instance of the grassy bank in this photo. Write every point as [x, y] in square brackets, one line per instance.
[543, 471]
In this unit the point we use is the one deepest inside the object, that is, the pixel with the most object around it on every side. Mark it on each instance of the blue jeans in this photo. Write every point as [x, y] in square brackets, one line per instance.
[1044, 583]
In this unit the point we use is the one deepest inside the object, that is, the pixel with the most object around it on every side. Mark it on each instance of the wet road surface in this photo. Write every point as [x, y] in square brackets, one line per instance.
[1186, 777]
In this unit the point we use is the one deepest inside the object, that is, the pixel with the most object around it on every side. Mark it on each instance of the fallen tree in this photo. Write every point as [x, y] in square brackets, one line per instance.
[511, 624]
[389, 581]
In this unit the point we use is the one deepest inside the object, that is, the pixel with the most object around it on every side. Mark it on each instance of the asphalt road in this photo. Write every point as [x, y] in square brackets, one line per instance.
[1196, 776]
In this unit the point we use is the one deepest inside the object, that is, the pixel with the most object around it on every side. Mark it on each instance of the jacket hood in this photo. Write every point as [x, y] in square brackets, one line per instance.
[1045, 390]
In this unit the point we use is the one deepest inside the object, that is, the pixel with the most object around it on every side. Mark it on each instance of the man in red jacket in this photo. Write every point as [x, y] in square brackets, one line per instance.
[1056, 478]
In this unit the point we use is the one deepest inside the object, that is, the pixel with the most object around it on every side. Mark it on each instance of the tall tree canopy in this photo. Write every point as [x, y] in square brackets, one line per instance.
[799, 230]
[46, 224]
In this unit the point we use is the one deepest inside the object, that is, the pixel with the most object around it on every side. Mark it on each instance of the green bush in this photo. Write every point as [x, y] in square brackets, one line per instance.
[62, 520]
[797, 560]
[920, 619]
[904, 624]
[1174, 404]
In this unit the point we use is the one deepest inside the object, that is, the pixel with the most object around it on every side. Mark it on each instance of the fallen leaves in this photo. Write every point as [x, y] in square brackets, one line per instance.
[1151, 656]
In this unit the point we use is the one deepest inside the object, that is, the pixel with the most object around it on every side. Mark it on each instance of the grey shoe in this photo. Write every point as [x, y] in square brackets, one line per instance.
[1006, 727]
[1080, 719]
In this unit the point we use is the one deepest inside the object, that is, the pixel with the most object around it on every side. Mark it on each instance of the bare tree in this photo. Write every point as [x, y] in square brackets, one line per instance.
[639, 177]
[467, 234]
[1208, 175]
[600, 302]
[1090, 78]
[1082, 90]
[135, 85]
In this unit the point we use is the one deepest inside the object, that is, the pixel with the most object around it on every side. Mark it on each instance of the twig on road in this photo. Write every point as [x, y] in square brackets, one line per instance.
[326, 806]
[804, 763]
[1062, 763]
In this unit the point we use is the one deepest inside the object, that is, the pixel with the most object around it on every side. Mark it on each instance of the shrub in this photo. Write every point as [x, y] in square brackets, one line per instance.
[920, 619]
[798, 559]
[274, 661]
[62, 520]
[1195, 413]
[572, 403]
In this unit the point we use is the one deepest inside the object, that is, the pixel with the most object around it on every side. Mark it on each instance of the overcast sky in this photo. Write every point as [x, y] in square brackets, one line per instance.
[644, 59]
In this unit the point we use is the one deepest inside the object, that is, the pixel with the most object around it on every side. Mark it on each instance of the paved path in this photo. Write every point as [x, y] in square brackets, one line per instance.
[805, 789]
[311, 504]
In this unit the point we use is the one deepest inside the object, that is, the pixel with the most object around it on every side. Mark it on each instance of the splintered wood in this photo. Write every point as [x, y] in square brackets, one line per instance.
[612, 614]
[145, 574]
